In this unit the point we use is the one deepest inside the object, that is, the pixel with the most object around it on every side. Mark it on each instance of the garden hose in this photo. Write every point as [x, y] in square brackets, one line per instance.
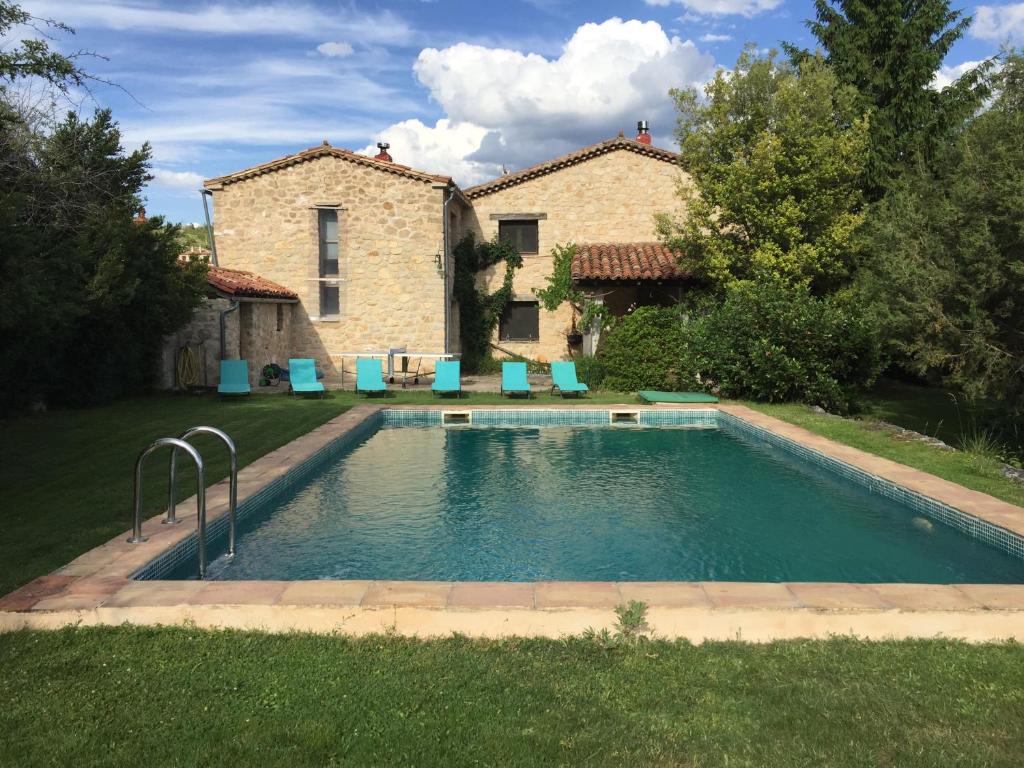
[187, 369]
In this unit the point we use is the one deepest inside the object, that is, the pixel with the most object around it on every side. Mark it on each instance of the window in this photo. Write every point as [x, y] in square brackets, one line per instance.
[520, 321]
[329, 301]
[280, 317]
[521, 234]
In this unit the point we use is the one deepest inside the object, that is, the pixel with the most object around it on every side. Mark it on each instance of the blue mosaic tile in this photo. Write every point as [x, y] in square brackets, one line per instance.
[217, 530]
[976, 528]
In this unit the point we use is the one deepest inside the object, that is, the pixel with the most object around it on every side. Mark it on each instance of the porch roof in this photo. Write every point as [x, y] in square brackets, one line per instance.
[240, 284]
[628, 262]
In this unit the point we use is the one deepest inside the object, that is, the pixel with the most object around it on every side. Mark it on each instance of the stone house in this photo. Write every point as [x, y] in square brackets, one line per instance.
[365, 244]
[244, 316]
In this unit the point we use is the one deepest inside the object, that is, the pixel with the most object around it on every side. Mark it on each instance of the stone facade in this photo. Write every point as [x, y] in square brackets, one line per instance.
[610, 198]
[202, 336]
[391, 237]
[393, 260]
[265, 335]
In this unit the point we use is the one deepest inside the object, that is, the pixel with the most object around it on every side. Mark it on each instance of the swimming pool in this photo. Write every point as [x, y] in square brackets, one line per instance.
[531, 495]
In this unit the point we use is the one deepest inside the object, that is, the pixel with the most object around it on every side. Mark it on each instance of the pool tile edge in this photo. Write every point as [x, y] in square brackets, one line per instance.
[94, 588]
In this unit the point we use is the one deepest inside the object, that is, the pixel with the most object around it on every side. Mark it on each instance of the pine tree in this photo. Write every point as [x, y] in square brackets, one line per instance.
[890, 51]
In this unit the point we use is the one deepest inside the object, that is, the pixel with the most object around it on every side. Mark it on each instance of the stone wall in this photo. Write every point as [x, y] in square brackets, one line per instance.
[262, 341]
[390, 233]
[611, 198]
[202, 334]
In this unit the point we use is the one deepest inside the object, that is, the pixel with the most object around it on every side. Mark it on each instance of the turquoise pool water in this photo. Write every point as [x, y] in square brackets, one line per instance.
[592, 503]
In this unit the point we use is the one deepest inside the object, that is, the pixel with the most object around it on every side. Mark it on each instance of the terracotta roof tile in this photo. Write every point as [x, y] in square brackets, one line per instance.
[238, 283]
[325, 150]
[573, 158]
[627, 261]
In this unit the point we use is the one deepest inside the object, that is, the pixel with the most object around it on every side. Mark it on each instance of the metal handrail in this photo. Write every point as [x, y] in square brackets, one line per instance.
[174, 443]
[171, 517]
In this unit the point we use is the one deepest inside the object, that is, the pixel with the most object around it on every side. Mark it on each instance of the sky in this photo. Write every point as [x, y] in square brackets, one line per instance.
[457, 87]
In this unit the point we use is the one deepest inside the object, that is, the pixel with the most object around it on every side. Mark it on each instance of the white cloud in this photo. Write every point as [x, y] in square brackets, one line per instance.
[947, 75]
[189, 180]
[999, 23]
[335, 49]
[444, 148]
[746, 8]
[235, 18]
[527, 108]
[713, 38]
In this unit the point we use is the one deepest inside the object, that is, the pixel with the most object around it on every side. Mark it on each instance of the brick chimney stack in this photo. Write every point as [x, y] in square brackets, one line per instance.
[641, 132]
[140, 217]
[383, 146]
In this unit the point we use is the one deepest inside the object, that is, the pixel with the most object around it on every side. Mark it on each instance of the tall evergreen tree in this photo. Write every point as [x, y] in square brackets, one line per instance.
[890, 51]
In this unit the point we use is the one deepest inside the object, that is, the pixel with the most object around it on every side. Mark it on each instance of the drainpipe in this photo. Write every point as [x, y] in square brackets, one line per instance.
[224, 328]
[209, 236]
[447, 296]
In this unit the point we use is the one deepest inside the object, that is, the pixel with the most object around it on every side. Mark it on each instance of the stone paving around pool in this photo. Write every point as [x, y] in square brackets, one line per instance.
[98, 588]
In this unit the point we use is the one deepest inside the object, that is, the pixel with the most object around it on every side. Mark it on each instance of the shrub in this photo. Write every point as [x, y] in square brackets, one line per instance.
[591, 371]
[767, 341]
[648, 349]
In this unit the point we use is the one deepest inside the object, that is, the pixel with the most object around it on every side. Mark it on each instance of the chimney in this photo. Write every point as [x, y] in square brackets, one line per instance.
[383, 146]
[641, 132]
[140, 217]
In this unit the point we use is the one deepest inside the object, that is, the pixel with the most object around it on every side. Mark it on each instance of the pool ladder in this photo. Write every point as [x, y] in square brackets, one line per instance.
[171, 518]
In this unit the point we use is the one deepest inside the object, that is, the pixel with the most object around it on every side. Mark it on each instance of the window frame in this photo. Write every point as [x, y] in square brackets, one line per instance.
[328, 282]
[519, 224]
[502, 336]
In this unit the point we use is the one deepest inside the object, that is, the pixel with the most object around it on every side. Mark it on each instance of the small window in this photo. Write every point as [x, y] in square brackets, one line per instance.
[280, 317]
[521, 234]
[329, 301]
[520, 321]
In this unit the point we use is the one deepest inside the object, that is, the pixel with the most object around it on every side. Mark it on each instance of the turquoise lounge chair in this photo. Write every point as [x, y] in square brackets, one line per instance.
[513, 379]
[234, 378]
[563, 378]
[302, 377]
[368, 376]
[446, 378]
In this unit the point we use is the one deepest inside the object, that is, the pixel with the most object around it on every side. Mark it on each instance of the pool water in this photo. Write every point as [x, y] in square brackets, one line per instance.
[602, 504]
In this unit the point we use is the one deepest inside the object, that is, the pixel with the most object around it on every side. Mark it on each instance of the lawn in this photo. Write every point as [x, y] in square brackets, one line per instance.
[936, 412]
[977, 472]
[183, 697]
[67, 475]
[68, 482]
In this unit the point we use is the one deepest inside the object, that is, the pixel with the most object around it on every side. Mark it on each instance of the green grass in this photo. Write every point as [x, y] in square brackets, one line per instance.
[933, 411]
[976, 472]
[67, 475]
[181, 696]
[184, 697]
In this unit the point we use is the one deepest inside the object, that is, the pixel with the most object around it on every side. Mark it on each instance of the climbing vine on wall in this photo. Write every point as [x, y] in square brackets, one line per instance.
[480, 311]
[561, 289]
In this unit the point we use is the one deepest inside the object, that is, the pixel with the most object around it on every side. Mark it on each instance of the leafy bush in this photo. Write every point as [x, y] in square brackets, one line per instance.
[764, 341]
[87, 294]
[773, 342]
[591, 371]
[648, 349]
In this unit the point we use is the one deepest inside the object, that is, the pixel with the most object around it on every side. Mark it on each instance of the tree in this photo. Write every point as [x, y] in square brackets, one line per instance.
[776, 153]
[33, 57]
[945, 269]
[86, 293]
[891, 51]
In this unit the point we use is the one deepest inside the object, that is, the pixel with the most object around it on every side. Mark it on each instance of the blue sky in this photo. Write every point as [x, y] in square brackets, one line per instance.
[457, 87]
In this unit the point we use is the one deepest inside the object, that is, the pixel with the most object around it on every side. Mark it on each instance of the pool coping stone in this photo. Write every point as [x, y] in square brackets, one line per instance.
[98, 587]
